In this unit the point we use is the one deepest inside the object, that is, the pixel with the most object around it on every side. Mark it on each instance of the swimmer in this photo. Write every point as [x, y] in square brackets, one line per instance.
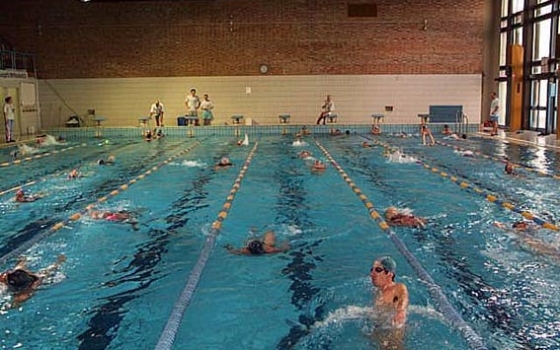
[110, 160]
[115, 216]
[223, 163]
[244, 142]
[396, 218]
[260, 246]
[305, 131]
[508, 169]
[149, 136]
[446, 130]
[335, 132]
[298, 142]
[390, 302]
[375, 130]
[21, 197]
[318, 166]
[467, 153]
[365, 144]
[74, 174]
[426, 132]
[305, 154]
[21, 282]
[521, 225]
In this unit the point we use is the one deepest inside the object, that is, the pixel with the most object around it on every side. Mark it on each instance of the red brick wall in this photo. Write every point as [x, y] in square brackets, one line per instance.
[72, 39]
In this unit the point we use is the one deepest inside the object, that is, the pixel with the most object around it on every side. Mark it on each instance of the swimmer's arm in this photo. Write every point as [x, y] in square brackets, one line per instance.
[51, 269]
[22, 296]
[271, 249]
[402, 305]
[232, 250]
[21, 263]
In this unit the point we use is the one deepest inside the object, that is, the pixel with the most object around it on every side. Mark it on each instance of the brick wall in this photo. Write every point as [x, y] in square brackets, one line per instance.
[72, 39]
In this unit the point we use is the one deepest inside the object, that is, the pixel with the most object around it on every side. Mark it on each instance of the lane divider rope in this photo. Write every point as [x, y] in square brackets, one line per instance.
[76, 216]
[485, 193]
[498, 159]
[38, 156]
[441, 302]
[169, 333]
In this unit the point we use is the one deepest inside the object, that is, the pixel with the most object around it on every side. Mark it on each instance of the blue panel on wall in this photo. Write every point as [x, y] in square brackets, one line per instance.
[444, 114]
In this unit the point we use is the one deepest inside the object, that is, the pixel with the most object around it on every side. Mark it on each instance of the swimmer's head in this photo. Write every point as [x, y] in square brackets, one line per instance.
[20, 279]
[224, 160]
[390, 213]
[101, 162]
[256, 247]
[388, 264]
[111, 158]
[509, 168]
[521, 225]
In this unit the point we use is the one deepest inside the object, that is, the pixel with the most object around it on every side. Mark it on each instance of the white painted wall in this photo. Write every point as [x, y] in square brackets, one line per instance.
[356, 97]
[28, 121]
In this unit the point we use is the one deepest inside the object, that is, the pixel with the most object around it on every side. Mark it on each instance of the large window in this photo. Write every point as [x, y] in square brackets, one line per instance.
[534, 25]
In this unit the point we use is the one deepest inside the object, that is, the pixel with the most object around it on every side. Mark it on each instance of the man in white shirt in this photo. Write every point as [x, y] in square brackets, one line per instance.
[326, 110]
[9, 117]
[157, 112]
[193, 103]
[494, 116]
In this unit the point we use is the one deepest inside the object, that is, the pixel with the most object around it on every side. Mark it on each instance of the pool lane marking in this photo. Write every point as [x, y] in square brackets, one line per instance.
[475, 341]
[498, 159]
[15, 188]
[169, 333]
[76, 216]
[485, 193]
[37, 156]
[490, 197]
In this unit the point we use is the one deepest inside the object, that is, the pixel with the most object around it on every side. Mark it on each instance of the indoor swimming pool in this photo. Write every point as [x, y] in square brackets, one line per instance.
[162, 279]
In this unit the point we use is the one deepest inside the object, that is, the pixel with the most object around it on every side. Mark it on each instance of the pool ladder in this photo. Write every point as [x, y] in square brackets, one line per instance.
[461, 123]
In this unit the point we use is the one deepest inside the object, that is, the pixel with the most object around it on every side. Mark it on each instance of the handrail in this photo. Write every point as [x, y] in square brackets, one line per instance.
[10, 59]
[461, 123]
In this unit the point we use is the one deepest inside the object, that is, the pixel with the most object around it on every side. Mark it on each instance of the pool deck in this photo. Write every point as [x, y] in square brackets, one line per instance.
[526, 137]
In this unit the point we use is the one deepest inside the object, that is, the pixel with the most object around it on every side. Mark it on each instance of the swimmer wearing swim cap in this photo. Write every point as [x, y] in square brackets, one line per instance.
[391, 303]
[260, 246]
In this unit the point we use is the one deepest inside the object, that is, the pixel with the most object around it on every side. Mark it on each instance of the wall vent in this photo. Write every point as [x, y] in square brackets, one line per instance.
[362, 10]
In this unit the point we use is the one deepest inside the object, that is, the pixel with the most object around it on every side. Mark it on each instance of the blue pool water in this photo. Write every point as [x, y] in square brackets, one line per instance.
[119, 285]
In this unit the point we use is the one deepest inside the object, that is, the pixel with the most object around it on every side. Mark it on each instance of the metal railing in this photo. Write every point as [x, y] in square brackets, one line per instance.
[18, 61]
[461, 123]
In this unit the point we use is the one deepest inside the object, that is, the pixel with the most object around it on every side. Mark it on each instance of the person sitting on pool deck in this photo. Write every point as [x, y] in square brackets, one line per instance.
[223, 163]
[260, 246]
[21, 282]
[23, 198]
[390, 303]
[396, 218]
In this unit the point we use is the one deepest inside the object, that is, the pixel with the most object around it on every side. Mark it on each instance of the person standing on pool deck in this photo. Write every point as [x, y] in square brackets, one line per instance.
[390, 303]
[9, 118]
[206, 107]
[157, 111]
[193, 103]
[494, 116]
